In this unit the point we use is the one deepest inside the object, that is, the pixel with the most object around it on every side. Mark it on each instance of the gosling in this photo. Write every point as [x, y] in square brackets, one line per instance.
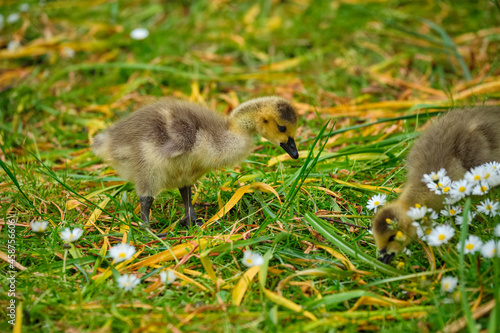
[458, 141]
[172, 143]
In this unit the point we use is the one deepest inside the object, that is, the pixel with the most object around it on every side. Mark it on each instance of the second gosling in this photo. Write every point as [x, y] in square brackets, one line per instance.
[172, 143]
[458, 141]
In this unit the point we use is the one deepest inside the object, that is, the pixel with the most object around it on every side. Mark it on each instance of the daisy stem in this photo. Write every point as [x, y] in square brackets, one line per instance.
[64, 263]
[40, 242]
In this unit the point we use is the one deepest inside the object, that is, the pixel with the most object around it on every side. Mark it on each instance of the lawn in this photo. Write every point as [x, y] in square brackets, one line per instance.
[365, 77]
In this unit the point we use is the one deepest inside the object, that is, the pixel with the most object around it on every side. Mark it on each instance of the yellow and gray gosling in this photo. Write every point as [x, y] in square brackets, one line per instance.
[458, 141]
[172, 143]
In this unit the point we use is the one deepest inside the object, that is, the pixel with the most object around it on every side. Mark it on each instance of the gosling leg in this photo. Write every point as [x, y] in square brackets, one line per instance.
[190, 215]
[146, 203]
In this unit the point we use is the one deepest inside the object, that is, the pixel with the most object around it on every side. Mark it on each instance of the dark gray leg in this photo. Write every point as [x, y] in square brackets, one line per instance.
[146, 203]
[190, 215]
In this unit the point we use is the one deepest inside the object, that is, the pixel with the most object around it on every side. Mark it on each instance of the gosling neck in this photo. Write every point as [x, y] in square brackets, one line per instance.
[243, 118]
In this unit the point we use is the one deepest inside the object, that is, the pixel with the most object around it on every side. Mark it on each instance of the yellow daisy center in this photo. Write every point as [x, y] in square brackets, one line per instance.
[461, 189]
[70, 236]
[488, 207]
[441, 237]
[121, 255]
[376, 203]
[477, 177]
[249, 260]
[418, 206]
[484, 188]
[487, 175]
[447, 285]
[400, 236]
[388, 221]
[452, 211]
[446, 189]
[469, 246]
[428, 231]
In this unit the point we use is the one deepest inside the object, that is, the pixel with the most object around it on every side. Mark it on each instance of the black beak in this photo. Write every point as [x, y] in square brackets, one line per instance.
[290, 148]
[386, 258]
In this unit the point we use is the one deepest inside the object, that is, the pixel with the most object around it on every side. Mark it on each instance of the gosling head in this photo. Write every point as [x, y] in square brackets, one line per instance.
[273, 118]
[392, 231]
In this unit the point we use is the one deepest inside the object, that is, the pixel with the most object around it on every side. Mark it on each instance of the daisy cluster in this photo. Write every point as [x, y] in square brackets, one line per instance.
[477, 181]
[439, 228]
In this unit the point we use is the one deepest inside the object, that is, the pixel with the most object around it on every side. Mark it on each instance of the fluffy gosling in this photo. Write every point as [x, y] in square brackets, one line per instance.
[172, 143]
[458, 141]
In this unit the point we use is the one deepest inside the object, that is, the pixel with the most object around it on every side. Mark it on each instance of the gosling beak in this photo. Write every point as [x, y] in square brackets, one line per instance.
[385, 257]
[290, 148]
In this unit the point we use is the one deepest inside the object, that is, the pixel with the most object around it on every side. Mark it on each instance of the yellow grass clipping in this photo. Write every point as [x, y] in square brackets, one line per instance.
[242, 286]
[263, 187]
[274, 297]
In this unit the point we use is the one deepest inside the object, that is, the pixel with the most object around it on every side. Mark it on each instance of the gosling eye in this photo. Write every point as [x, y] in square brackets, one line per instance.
[391, 238]
[265, 121]
[282, 129]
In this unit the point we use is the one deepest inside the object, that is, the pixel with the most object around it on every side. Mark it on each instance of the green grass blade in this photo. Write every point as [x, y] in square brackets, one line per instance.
[351, 250]
[16, 183]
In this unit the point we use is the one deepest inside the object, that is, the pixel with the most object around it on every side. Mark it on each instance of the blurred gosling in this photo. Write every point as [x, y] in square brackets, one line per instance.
[458, 141]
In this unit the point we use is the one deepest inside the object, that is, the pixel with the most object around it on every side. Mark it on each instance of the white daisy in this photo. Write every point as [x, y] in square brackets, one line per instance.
[121, 252]
[128, 281]
[481, 188]
[13, 46]
[24, 7]
[449, 283]
[13, 18]
[489, 249]
[470, 217]
[67, 52]
[433, 177]
[488, 207]
[494, 180]
[451, 211]
[450, 200]
[39, 226]
[375, 202]
[432, 215]
[139, 34]
[70, 236]
[460, 188]
[497, 230]
[494, 166]
[472, 244]
[417, 213]
[440, 235]
[477, 174]
[168, 276]
[251, 259]
[494, 171]
[423, 231]
[442, 186]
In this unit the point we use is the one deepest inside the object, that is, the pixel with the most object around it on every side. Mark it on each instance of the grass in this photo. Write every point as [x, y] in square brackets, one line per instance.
[365, 76]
